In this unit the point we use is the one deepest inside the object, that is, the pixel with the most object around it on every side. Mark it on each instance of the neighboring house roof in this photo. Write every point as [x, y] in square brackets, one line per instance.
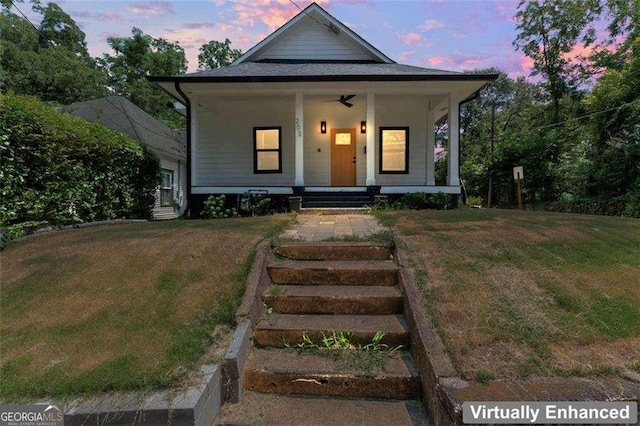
[118, 113]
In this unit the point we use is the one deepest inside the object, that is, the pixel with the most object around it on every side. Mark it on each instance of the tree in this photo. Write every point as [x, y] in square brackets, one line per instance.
[215, 54]
[548, 30]
[50, 62]
[58, 29]
[623, 28]
[614, 157]
[137, 57]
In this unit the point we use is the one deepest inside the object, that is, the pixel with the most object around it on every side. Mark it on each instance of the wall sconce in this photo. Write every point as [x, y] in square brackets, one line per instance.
[363, 127]
[323, 127]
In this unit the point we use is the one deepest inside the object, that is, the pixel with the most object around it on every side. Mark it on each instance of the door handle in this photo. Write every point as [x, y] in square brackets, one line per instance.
[354, 160]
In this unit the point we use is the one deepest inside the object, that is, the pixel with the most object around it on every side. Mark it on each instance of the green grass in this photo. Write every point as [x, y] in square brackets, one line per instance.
[520, 293]
[121, 308]
[348, 355]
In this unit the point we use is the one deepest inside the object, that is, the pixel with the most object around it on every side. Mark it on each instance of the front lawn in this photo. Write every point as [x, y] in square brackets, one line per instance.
[520, 293]
[120, 307]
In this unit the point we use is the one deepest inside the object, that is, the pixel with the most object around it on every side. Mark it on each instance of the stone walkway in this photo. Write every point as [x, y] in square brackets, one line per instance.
[310, 227]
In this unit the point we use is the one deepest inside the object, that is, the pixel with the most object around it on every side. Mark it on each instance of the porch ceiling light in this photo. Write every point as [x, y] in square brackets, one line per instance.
[363, 127]
[323, 127]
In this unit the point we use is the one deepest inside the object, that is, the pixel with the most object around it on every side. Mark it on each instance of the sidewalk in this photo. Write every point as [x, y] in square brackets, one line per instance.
[310, 227]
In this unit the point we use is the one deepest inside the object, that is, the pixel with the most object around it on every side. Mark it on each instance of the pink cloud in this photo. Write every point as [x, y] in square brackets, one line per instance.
[410, 39]
[152, 8]
[430, 24]
[436, 60]
[244, 40]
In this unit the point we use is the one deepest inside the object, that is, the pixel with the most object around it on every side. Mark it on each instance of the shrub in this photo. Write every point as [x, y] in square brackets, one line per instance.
[215, 208]
[62, 169]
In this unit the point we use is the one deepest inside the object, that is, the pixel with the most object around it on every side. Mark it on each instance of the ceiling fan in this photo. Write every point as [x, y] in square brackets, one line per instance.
[344, 100]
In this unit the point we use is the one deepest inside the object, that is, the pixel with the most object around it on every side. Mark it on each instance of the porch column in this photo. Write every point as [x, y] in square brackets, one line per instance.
[371, 139]
[453, 178]
[299, 132]
[431, 145]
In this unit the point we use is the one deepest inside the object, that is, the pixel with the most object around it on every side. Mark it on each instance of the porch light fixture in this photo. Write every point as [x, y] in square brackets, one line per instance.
[323, 127]
[363, 127]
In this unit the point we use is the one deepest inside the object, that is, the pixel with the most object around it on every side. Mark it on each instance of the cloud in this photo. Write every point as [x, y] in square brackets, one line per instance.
[436, 60]
[403, 56]
[109, 16]
[152, 8]
[198, 26]
[410, 39]
[272, 13]
[460, 62]
[430, 24]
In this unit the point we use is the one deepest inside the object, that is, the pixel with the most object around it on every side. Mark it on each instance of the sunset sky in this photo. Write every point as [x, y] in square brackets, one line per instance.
[446, 34]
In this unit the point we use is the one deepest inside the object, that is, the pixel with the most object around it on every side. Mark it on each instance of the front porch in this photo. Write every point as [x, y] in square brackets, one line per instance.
[389, 133]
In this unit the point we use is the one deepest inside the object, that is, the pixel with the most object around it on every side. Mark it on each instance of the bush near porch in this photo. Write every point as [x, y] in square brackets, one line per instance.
[515, 294]
[121, 308]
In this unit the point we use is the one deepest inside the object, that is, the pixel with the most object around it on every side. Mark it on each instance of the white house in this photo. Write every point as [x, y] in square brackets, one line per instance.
[315, 108]
[117, 113]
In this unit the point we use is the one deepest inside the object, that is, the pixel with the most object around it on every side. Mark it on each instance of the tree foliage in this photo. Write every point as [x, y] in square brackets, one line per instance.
[138, 57]
[215, 54]
[548, 30]
[50, 62]
[62, 169]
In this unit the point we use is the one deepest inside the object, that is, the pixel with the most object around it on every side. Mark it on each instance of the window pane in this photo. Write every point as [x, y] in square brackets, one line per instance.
[394, 148]
[268, 160]
[167, 178]
[267, 139]
[343, 138]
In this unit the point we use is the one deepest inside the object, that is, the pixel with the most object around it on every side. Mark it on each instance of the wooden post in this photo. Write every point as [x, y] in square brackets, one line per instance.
[519, 192]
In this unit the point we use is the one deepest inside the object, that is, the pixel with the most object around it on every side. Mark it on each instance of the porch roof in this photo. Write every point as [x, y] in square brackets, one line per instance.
[308, 71]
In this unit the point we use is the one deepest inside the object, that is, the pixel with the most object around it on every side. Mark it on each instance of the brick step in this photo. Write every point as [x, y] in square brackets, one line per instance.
[290, 372]
[326, 250]
[321, 299]
[277, 330]
[333, 272]
[284, 410]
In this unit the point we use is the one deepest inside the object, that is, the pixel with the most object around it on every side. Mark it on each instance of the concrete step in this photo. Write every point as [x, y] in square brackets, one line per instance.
[335, 204]
[327, 250]
[321, 299]
[263, 409]
[277, 330]
[333, 272]
[290, 372]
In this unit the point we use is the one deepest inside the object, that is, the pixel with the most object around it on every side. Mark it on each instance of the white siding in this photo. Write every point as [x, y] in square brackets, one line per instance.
[179, 171]
[310, 40]
[404, 111]
[317, 165]
[224, 146]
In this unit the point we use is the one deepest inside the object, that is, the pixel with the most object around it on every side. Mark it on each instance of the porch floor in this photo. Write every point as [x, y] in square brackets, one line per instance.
[319, 227]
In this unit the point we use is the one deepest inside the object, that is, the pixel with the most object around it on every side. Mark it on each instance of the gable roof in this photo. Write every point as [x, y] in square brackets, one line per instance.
[324, 28]
[118, 113]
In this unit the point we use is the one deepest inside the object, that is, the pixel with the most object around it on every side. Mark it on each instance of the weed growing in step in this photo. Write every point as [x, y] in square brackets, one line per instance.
[275, 290]
[339, 345]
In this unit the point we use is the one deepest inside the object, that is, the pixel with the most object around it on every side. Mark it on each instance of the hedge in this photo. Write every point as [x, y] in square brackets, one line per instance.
[62, 169]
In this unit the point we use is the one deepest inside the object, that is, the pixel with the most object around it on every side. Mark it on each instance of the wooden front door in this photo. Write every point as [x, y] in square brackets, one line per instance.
[343, 157]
